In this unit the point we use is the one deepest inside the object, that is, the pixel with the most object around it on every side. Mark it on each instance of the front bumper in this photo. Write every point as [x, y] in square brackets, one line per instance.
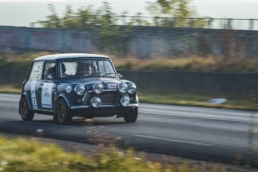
[102, 111]
[102, 106]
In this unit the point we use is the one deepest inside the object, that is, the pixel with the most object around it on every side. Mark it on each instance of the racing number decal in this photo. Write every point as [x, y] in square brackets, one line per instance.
[46, 95]
[33, 95]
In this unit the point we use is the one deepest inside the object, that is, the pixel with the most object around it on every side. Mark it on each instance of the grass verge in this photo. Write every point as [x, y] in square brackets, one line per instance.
[189, 64]
[197, 100]
[182, 99]
[26, 154]
[13, 89]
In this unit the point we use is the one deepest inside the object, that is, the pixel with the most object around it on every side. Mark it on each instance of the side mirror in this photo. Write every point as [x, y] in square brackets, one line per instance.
[120, 76]
[23, 82]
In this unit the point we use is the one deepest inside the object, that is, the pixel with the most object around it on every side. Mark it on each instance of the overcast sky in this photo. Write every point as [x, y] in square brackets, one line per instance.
[23, 12]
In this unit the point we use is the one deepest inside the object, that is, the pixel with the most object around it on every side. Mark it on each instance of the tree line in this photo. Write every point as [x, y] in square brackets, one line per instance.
[114, 29]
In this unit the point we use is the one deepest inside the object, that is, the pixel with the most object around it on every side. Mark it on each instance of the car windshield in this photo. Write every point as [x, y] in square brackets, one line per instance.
[79, 68]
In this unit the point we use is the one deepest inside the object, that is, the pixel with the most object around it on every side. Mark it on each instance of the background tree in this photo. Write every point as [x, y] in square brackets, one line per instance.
[180, 11]
[53, 19]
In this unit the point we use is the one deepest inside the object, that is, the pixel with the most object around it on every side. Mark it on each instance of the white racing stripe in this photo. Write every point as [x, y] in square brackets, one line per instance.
[174, 140]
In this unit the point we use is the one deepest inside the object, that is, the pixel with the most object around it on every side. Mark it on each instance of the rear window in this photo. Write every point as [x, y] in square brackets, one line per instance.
[36, 70]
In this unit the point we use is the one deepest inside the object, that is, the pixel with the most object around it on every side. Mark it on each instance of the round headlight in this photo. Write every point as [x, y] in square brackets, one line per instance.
[125, 101]
[122, 87]
[131, 88]
[79, 90]
[98, 88]
[68, 89]
[95, 102]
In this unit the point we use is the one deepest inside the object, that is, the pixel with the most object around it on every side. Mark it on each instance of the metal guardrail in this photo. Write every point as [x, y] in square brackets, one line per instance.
[208, 23]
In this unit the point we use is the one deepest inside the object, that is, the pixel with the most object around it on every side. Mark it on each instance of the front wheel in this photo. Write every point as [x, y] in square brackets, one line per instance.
[63, 112]
[26, 113]
[131, 115]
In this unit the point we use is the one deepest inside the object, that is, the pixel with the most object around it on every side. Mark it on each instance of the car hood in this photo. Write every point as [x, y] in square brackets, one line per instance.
[89, 80]
[108, 83]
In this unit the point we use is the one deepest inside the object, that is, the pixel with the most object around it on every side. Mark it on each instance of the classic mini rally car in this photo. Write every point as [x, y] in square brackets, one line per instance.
[77, 85]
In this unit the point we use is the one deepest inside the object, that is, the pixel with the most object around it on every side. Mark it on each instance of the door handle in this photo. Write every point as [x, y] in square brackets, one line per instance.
[41, 84]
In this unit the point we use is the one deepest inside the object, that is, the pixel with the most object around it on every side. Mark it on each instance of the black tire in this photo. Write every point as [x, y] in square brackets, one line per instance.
[55, 117]
[63, 112]
[131, 115]
[26, 113]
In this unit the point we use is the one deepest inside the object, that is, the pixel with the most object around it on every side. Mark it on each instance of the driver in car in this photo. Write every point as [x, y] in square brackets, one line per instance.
[87, 70]
[64, 75]
[84, 69]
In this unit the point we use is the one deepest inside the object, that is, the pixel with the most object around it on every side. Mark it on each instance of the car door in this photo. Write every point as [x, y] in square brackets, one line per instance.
[47, 87]
[32, 84]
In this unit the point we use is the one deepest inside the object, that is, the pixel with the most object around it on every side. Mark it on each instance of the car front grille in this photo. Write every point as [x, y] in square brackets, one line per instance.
[107, 98]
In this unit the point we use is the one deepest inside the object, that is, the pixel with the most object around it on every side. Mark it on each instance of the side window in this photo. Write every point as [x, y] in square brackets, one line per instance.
[108, 67]
[36, 70]
[67, 69]
[105, 67]
[49, 68]
[101, 67]
[70, 67]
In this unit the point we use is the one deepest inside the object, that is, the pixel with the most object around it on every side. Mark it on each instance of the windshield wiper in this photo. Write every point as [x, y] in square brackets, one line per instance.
[95, 73]
[92, 74]
[107, 74]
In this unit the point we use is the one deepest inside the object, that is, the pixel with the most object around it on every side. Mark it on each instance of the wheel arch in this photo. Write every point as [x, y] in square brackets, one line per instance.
[27, 98]
[62, 96]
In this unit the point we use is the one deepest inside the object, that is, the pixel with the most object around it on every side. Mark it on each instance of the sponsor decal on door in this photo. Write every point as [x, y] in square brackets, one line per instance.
[33, 95]
[46, 95]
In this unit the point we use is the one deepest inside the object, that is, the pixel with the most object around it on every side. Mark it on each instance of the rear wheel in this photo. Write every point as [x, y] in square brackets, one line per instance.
[63, 113]
[26, 113]
[131, 115]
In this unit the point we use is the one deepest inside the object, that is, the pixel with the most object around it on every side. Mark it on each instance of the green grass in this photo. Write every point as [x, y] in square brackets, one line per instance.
[191, 64]
[25, 154]
[15, 89]
[197, 100]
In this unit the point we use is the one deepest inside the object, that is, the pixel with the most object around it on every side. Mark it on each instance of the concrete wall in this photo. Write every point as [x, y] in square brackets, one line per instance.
[21, 39]
[188, 82]
[143, 42]
[193, 82]
[148, 42]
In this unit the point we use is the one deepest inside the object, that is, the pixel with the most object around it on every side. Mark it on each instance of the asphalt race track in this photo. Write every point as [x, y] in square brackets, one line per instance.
[196, 133]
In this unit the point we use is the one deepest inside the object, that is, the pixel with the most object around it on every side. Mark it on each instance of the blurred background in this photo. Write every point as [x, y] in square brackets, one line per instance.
[178, 52]
[195, 49]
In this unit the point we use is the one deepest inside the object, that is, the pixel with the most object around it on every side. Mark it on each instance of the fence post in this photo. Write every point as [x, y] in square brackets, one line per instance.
[156, 21]
[209, 22]
[191, 22]
[229, 23]
[172, 22]
[123, 18]
[251, 24]
[138, 19]
[83, 22]
[57, 24]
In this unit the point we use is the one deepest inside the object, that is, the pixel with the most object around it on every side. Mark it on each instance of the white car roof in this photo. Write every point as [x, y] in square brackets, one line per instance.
[69, 55]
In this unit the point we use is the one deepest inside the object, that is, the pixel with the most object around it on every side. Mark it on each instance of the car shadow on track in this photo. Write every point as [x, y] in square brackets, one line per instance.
[87, 122]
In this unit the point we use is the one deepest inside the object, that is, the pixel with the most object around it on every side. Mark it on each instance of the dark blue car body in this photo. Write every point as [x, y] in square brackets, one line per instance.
[59, 96]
